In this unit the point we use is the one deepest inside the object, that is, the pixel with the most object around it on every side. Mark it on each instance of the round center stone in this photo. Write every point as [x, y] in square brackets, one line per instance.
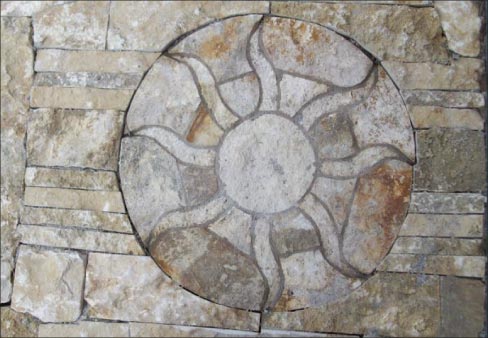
[266, 164]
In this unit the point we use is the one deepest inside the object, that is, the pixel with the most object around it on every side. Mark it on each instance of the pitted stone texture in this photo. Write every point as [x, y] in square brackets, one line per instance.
[447, 99]
[438, 246]
[85, 79]
[443, 225]
[447, 203]
[49, 284]
[16, 324]
[26, 8]
[263, 157]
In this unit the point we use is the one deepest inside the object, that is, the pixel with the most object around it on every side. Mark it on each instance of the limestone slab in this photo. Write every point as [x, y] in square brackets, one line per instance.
[447, 203]
[16, 324]
[400, 33]
[433, 116]
[85, 329]
[135, 26]
[200, 183]
[450, 160]
[110, 201]
[447, 99]
[59, 60]
[297, 91]
[74, 138]
[79, 239]
[130, 288]
[86, 79]
[80, 98]
[438, 246]
[443, 225]
[241, 94]
[49, 284]
[26, 8]
[76, 25]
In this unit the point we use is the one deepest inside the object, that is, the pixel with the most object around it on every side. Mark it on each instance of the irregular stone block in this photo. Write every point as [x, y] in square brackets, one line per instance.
[131, 288]
[144, 26]
[85, 79]
[387, 304]
[49, 284]
[76, 218]
[77, 138]
[110, 201]
[85, 329]
[462, 25]
[76, 25]
[432, 116]
[450, 160]
[438, 246]
[79, 239]
[446, 99]
[445, 203]
[26, 8]
[58, 60]
[15, 324]
[462, 307]
[462, 74]
[442, 225]
[389, 32]
[467, 266]
[80, 98]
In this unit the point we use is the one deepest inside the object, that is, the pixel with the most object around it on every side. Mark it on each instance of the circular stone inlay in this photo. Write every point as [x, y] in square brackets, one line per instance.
[263, 157]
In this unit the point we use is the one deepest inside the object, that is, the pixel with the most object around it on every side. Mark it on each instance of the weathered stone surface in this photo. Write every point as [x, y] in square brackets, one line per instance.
[305, 48]
[462, 24]
[76, 138]
[446, 99]
[446, 203]
[49, 284]
[209, 266]
[462, 307]
[130, 288]
[450, 160]
[26, 8]
[58, 60]
[234, 226]
[80, 98]
[79, 239]
[149, 27]
[389, 32]
[438, 246]
[204, 131]
[110, 201]
[200, 183]
[241, 94]
[387, 304]
[462, 74]
[85, 329]
[466, 266]
[297, 91]
[85, 79]
[15, 324]
[443, 225]
[76, 218]
[432, 116]
[336, 194]
[66, 178]
[16, 78]
[77, 25]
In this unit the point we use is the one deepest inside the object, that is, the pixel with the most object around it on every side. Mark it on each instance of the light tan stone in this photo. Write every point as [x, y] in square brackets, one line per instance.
[85, 329]
[16, 324]
[462, 74]
[447, 99]
[438, 246]
[432, 116]
[152, 25]
[462, 25]
[466, 266]
[79, 239]
[49, 284]
[80, 98]
[26, 8]
[131, 288]
[447, 203]
[110, 201]
[76, 25]
[87, 79]
[443, 225]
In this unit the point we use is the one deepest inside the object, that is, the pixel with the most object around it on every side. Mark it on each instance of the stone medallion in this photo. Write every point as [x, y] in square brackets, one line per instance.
[267, 163]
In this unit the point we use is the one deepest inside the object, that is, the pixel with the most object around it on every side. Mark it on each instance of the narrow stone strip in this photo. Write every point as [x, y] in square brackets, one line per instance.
[447, 203]
[85, 79]
[442, 225]
[433, 116]
[447, 99]
[438, 246]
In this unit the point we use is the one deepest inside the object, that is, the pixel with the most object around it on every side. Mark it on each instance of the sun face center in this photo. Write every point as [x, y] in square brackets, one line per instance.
[266, 164]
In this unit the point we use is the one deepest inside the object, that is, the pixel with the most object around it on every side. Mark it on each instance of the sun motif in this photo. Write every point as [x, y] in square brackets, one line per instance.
[266, 163]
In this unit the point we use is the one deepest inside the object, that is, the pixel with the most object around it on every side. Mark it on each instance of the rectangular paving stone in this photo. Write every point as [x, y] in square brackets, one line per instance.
[447, 99]
[462, 74]
[133, 288]
[85, 329]
[58, 60]
[450, 160]
[110, 201]
[79, 239]
[80, 98]
[466, 266]
[447, 203]
[68, 178]
[74, 138]
[88, 219]
[442, 225]
[85, 79]
[433, 116]
[438, 246]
